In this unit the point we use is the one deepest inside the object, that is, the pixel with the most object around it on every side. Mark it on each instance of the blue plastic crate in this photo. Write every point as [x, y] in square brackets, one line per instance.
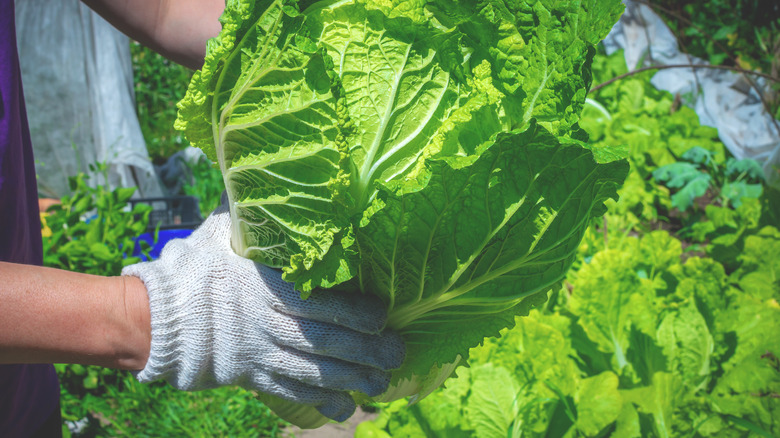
[163, 237]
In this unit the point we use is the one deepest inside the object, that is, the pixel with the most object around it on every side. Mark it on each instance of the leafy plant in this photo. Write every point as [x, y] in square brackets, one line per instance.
[644, 345]
[93, 230]
[427, 153]
[698, 172]
[737, 33]
[206, 184]
[158, 84]
[114, 403]
[655, 130]
[651, 123]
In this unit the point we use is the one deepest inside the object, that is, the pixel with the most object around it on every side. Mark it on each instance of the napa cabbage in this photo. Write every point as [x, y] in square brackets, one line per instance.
[424, 151]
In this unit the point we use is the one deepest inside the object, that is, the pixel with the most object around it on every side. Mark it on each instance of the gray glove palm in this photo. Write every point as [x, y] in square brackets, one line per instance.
[220, 319]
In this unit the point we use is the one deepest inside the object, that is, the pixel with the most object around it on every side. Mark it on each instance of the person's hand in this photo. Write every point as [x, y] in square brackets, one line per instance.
[220, 319]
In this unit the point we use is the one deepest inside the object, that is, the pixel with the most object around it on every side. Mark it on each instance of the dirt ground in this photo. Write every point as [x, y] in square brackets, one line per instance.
[333, 430]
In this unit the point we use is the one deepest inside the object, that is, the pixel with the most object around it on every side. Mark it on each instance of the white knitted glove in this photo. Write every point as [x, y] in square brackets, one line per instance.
[220, 319]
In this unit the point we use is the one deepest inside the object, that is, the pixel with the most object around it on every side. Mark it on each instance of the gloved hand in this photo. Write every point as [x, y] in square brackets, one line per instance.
[220, 319]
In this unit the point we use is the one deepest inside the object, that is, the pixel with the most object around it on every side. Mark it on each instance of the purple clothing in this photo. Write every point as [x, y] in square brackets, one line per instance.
[28, 393]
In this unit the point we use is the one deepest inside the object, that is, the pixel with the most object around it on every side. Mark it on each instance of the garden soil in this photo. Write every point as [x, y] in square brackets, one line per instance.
[333, 430]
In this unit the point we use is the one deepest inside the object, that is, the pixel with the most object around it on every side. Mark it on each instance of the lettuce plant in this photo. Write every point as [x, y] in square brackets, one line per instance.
[643, 345]
[697, 173]
[426, 152]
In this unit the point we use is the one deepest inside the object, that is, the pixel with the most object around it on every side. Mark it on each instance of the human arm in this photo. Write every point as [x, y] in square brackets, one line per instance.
[212, 318]
[55, 316]
[177, 29]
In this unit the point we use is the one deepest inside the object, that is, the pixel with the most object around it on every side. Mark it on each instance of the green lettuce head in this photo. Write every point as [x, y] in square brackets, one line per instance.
[426, 152]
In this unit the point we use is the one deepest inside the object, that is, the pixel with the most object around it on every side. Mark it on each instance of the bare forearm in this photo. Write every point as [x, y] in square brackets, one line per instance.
[178, 29]
[54, 316]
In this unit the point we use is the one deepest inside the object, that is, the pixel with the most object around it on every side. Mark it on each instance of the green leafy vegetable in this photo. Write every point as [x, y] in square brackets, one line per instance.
[426, 152]
[694, 177]
[686, 177]
[94, 230]
[599, 403]
[697, 358]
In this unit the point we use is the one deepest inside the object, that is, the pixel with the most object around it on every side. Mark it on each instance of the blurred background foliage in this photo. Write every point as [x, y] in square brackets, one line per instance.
[159, 85]
[736, 33]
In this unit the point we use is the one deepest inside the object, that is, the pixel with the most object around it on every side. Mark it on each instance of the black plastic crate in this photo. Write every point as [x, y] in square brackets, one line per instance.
[172, 212]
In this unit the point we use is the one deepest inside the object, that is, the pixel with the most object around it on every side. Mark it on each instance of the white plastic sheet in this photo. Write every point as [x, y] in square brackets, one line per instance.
[78, 86]
[723, 99]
